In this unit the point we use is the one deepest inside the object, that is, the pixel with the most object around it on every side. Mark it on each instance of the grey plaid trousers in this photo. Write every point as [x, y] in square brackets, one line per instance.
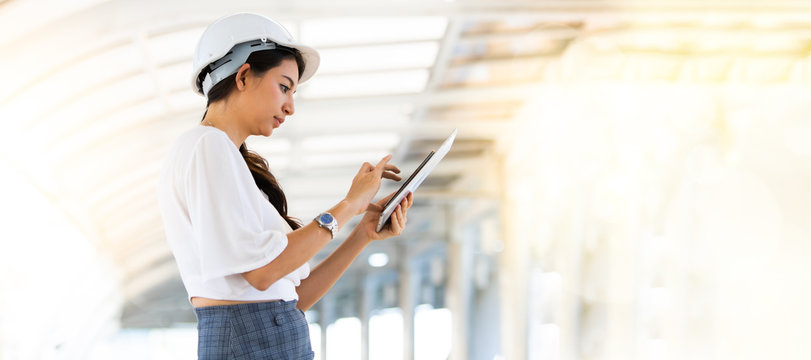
[266, 330]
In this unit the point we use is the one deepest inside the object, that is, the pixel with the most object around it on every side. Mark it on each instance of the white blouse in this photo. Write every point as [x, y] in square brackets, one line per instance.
[218, 223]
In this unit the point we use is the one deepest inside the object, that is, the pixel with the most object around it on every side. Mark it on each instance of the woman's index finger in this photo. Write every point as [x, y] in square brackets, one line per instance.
[382, 164]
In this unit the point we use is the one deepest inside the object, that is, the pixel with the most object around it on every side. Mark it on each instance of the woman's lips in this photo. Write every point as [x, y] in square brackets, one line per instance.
[279, 121]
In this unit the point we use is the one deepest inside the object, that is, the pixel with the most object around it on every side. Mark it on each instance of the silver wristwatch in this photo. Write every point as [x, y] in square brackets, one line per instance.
[327, 221]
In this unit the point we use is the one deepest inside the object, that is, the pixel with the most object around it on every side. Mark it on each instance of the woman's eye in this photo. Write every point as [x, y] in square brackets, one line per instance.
[285, 89]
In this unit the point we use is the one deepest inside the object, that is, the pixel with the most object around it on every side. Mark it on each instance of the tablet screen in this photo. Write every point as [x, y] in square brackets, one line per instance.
[408, 181]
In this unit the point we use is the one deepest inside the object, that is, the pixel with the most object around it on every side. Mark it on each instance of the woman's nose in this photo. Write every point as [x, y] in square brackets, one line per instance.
[289, 108]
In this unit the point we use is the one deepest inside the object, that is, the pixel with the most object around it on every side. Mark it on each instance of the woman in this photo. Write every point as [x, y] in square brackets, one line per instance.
[242, 258]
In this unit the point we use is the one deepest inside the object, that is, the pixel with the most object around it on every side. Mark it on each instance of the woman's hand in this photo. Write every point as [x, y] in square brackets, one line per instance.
[396, 223]
[367, 182]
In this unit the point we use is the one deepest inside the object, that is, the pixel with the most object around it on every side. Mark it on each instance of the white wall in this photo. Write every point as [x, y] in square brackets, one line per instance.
[59, 296]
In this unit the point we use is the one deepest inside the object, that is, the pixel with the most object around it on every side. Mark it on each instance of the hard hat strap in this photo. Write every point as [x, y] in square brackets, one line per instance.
[232, 61]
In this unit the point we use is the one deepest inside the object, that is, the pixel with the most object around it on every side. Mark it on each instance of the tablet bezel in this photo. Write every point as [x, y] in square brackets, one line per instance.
[388, 209]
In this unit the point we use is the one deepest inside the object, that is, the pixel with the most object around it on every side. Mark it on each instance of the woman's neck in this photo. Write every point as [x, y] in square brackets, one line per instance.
[217, 117]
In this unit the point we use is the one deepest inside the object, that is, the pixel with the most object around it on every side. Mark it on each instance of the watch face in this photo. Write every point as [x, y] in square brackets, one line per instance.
[325, 218]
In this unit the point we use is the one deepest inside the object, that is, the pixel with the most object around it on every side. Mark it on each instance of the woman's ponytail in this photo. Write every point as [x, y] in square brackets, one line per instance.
[267, 183]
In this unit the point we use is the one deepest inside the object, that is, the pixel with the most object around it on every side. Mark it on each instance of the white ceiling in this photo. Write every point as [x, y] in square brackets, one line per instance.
[94, 92]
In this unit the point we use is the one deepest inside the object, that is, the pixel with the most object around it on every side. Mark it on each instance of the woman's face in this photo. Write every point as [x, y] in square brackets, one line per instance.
[270, 98]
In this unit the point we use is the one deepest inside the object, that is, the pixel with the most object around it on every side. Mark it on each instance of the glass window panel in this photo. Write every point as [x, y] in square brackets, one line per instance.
[386, 334]
[343, 339]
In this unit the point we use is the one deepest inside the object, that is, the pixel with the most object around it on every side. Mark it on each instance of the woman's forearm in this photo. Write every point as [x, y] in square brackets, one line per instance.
[302, 245]
[327, 272]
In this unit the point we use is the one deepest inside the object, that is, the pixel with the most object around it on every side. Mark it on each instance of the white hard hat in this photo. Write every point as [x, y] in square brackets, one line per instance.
[227, 43]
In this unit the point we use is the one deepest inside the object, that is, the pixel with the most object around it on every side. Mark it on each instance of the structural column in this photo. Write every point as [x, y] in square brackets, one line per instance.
[326, 317]
[458, 290]
[408, 283]
[518, 226]
[364, 310]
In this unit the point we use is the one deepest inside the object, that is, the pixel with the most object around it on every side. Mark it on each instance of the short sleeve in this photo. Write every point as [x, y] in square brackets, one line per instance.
[225, 211]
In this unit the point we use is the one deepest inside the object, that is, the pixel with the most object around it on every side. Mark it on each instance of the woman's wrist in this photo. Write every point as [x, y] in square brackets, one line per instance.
[359, 237]
[343, 212]
[356, 207]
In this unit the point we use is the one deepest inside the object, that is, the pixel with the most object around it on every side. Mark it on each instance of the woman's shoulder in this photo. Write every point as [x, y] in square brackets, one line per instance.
[196, 134]
[200, 138]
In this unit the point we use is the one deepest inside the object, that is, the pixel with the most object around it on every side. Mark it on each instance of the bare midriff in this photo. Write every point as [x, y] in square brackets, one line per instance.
[203, 302]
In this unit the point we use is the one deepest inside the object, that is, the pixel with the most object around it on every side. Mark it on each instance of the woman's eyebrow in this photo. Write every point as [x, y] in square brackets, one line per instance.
[289, 79]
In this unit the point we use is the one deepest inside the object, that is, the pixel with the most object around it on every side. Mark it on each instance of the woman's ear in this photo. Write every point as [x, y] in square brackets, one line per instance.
[242, 76]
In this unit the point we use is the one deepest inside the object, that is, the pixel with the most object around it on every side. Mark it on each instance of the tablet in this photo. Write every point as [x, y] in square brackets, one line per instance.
[416, 178]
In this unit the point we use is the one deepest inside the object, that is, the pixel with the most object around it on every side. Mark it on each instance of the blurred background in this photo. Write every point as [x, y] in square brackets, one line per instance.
[630, 179]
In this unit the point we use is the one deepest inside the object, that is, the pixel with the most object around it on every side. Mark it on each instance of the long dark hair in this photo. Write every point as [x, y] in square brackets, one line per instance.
[261, 62]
